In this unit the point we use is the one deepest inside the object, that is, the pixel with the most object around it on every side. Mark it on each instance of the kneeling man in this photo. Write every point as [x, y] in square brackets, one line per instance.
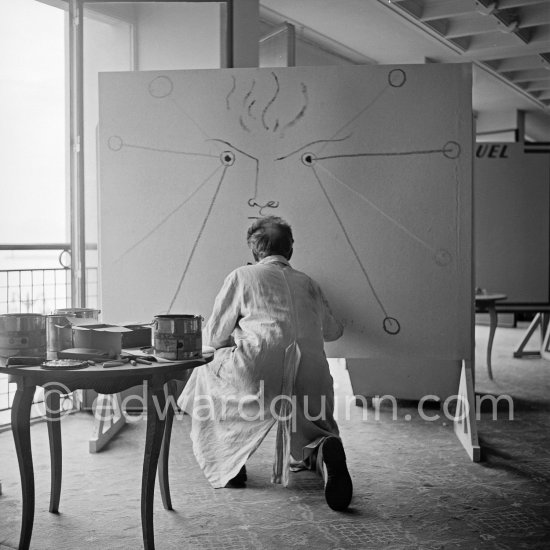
[268, 326]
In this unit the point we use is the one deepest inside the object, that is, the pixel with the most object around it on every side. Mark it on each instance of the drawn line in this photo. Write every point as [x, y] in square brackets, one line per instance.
[227, 106]
[247, 95]
[249, 110]
[168, 216]
[236, 148]
[270, 102]
[160, 150]
[246, 155]
[199, 127]
[350, 243]
[399, 153]
[312, 143]
[210, 207]
[300, 114]
[243, 125]
[360, 113]
[381, 212]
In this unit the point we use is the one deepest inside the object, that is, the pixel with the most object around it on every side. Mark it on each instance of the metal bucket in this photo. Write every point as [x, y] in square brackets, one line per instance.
[177, 337]
[59, 331]
[59, 334]
[22, 335]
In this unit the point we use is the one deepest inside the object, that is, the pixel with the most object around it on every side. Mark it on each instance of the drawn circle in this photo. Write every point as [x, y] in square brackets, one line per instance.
[160, 87]
[391, 325]
[442, 257]
[397, 78]
[451, 150]
[115, 143]
[309, 159]
[227, 158]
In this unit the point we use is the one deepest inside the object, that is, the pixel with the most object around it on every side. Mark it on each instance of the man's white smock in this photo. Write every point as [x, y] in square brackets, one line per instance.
[268, 325]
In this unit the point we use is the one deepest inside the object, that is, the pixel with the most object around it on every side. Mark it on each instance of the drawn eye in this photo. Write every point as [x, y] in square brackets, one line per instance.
[308, 158]
[227, 158]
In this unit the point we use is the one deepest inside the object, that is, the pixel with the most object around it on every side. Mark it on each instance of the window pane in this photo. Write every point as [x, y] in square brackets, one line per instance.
[137, 36]
[32, 132]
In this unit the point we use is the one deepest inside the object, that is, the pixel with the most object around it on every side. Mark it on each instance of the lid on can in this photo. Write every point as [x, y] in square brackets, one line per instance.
[81, 312]
[175, 316]
[22, 315]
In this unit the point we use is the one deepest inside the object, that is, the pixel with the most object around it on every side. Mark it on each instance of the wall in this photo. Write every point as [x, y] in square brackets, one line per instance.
[178, 36]
[512, 221]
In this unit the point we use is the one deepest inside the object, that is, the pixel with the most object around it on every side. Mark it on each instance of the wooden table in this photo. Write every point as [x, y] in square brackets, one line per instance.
[160, 386]
[485, 303]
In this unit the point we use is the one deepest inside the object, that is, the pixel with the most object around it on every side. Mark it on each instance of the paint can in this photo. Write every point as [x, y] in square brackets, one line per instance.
[59, 328]
[59, 334]
[177, 337]
[22, 335]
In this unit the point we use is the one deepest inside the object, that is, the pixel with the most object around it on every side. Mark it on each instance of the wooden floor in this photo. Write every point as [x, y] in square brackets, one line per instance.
[414, 484]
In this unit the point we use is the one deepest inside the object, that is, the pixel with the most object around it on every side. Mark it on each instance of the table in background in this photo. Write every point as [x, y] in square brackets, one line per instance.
[160, 389]
[486, 303]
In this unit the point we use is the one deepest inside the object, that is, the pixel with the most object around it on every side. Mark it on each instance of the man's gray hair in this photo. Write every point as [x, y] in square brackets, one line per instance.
[270, 236]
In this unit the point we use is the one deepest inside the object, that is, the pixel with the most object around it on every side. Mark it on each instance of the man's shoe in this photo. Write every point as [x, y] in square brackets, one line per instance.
[338, 485]
[239, 481]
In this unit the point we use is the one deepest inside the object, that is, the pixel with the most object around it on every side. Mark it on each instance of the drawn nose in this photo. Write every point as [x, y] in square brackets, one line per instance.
[262, 198]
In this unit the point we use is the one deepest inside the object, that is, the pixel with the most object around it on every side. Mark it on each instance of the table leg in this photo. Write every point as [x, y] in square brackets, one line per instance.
[165, 449]
[20, 425]
[53, 417]
[493, 317]
[155, 431]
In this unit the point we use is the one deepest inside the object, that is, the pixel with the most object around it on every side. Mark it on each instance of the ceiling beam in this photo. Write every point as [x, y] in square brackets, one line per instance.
[527, 75]
[445, 9]
[509, 51]
[469, 26]
[507, 4]
[541, 34]
[518, 63]
[498, 44]
[535, 86]
[533, 16]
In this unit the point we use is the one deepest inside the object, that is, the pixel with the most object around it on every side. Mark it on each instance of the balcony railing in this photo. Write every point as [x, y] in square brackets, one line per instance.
[36, 290]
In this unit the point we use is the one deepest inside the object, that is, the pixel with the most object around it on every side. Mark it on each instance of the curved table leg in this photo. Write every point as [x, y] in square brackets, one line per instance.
[53, 417]
[20, 424]
[155, 431]
[493, 326]
[164, 483]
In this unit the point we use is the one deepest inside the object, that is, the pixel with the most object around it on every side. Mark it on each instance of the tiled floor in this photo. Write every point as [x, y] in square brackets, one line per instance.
[414, 484]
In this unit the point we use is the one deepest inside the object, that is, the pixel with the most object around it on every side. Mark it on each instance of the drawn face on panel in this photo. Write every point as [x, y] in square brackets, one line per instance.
[262, 110]
[263, 116]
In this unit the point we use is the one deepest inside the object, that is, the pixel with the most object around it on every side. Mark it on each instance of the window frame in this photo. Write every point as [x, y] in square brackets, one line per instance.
[76, 125]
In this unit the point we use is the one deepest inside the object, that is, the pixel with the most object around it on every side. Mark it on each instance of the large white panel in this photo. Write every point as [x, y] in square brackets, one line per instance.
[370, 165]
